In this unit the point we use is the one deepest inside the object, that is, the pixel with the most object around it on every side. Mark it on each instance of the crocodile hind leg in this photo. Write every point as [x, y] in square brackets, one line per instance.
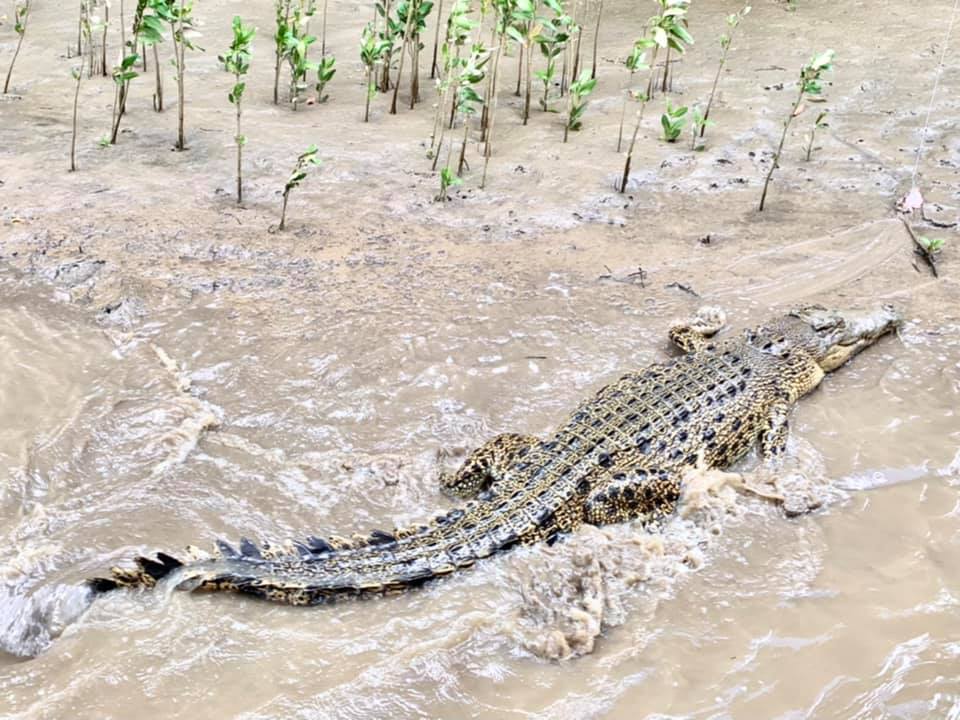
[639, 493]
[692, 335]
[486, 465]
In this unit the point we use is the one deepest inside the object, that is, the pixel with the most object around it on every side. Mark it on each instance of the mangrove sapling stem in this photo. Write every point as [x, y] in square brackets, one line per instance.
[488, 140]
[323, 30]
[809, 84]
[666, 71]
[282, 8]
[125, 72]
[237, 62]
[178, 48]
[299, 174]
[529, 74]
[403, 47]
[21, 14]
[103, 40]
[85, 33]
[633, 141]
[783, 138]
[76, 101]
[83, 5]
[158, 92]
[388, 35]
[519, 71]
[436, 40]
[490, 102]
[596, 42]
[733, 21]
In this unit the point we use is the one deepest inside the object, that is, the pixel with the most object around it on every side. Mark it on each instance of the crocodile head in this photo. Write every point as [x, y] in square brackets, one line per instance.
[834, 336]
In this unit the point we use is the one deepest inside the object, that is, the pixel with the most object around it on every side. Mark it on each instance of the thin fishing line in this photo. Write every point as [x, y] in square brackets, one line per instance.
[933, 94]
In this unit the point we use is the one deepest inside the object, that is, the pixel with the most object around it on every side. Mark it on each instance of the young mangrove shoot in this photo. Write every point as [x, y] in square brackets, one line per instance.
[552, 39]
[636, 61]
[577, 102]
[663, 30]
[818, 124]
[672, 121]
[733, 22]
[372, 50]
[698, 121]
[305, 160]
[236, 61]
[809, 86]
[326, 69]
[21, 14]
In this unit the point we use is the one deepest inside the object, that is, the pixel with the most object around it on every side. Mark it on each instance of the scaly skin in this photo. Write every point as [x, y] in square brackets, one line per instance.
[620, 456]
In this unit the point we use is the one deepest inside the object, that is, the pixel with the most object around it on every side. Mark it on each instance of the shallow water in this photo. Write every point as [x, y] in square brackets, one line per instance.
[211, 423]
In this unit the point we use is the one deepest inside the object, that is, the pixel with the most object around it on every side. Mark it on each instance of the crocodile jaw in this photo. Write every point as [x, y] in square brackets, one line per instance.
[858, 329]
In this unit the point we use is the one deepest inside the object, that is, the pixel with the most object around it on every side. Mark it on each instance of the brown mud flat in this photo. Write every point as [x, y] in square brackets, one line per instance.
[172, 371]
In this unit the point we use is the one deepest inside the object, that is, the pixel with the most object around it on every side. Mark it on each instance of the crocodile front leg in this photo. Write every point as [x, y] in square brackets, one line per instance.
[693, 334]
[773, 437]
[486, 465]
[639, 493]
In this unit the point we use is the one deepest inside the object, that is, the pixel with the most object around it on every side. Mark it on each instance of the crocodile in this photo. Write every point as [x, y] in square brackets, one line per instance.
[621, 455]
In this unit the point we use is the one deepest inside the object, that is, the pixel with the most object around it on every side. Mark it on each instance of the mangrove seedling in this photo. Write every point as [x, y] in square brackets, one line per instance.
[733, 22]
[326, 69]
[86, 37]
[525, 29]
[636, 60]
[236, 61]
[698, 121]
[372, 50]
[21, 14]
[668, 30]
[931, 245]
[178, 14]
[577, 102]
[323, 30]
[672, 121]
[282, 31]
[809, 86]
[146, 28]
[468, 99]
[596, 41]
[305, 160]
[298, 50]
[448, 179]
[459, 28]
[663, 30]
[818, 124]
[436, 40]
[412, 17]
[552, 39]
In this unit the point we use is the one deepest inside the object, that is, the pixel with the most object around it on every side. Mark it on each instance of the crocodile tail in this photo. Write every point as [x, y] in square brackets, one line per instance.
[146, 573]
[308, 572]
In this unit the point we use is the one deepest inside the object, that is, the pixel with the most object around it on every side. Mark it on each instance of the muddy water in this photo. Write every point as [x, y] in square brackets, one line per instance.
[211, 422]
